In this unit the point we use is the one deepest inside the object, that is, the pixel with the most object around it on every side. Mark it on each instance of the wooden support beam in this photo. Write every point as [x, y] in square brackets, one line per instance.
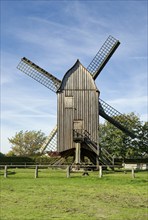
[78, 153]
[68, 171]
[100, 172]
[36, 171]
[5, 172]
[133, 173]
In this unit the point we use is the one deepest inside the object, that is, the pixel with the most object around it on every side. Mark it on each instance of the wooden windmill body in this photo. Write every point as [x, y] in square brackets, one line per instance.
[79, 106]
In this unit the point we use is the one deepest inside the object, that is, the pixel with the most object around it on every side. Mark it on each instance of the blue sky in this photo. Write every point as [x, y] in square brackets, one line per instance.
[54, 34]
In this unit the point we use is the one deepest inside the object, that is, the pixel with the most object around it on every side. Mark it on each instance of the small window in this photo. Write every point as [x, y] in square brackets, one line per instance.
[69, 102]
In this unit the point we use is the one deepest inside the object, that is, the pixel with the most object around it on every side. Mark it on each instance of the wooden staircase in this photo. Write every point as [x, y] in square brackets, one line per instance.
[94, 152]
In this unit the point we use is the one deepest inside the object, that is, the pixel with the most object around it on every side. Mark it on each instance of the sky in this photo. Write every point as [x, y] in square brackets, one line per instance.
[54, 34]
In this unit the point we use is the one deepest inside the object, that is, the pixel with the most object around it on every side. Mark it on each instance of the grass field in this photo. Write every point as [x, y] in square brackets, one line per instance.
[116, 196]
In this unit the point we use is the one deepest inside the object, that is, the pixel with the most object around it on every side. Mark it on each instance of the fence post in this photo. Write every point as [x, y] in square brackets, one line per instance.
[68, 171]
[133, 174]
[100, 171]
[36, 171]
[5, 172]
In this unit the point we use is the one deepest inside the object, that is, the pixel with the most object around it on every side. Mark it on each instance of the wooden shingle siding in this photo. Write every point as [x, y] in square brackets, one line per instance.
[77, 101]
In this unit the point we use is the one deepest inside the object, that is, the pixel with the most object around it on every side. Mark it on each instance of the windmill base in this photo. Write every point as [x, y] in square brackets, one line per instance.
[83, 157]
[80, 155]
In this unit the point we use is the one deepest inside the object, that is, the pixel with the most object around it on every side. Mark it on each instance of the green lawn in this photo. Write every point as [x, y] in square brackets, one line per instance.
[116, 196]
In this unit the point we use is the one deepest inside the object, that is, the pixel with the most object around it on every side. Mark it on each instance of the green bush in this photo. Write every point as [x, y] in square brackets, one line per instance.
[14, 160]
[45, 160]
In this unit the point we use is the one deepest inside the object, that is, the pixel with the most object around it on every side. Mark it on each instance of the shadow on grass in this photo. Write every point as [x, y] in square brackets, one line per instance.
[8, 173]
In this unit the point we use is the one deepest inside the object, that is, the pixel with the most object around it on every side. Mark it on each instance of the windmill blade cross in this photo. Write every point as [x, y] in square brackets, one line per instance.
[39, 74]
[103, 56]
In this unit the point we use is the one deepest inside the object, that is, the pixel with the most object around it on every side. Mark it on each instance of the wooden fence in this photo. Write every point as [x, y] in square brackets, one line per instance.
[69, 169]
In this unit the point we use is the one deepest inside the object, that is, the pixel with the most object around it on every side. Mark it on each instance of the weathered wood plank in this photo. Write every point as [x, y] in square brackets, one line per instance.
[79, 89]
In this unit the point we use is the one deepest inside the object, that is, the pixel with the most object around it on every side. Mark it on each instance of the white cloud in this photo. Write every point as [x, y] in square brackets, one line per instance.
[129, 103]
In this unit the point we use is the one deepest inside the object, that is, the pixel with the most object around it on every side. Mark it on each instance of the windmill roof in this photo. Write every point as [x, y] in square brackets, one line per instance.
[71, 71]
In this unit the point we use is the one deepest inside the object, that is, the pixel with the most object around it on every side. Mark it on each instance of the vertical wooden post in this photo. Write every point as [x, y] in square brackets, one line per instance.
[68, 171]
[133, 174]
[5, 172]
[113, 160]
[78, 153]
[100, 171]
[36, 171]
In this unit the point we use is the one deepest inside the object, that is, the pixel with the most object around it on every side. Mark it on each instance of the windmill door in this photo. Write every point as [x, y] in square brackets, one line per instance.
[78, 127]
[78, 124]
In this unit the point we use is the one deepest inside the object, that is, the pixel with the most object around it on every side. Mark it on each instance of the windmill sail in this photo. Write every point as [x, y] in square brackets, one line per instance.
[39, 74]
[50, 143]
[52, 83]
[113, 116]
[103, 55]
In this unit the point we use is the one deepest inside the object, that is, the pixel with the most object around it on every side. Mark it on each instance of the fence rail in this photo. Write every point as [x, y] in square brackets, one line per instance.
[56, 166]
[69, 169]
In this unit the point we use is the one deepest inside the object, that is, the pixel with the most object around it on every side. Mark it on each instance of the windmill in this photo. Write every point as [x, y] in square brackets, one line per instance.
[79, 107]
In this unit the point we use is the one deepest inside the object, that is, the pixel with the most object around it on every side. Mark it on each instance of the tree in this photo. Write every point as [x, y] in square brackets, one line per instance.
[27, 143]
[121, 145]
[143, 140]
[10, 154]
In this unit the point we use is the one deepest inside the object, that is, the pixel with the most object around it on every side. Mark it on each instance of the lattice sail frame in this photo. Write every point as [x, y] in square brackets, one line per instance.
[119, 120]
[39, 74]
[103, 55]
[50, 144]
[112, 112]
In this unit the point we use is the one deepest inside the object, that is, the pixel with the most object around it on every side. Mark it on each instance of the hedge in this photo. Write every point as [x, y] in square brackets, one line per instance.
[45, 160]
[15, 160]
